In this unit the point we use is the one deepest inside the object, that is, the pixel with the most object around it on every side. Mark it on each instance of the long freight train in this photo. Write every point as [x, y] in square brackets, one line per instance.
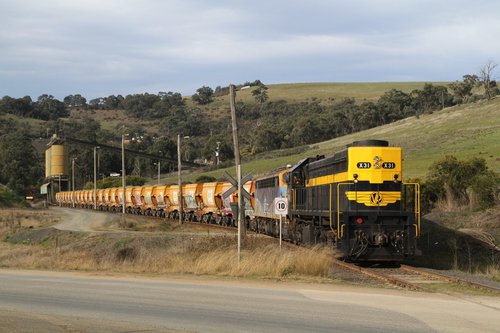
[354, 200]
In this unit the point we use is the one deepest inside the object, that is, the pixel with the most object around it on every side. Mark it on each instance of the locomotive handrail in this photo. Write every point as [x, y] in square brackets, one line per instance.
[330, 214]
[417, 206]
[340, 229]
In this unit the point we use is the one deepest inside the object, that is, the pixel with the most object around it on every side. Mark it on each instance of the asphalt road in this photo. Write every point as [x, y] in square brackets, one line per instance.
[72, 302]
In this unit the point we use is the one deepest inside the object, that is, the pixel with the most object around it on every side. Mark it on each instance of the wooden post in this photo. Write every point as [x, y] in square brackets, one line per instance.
[241, 210]
[179, 174]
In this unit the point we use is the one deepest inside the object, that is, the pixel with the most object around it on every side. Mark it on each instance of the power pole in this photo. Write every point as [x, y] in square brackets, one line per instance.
[73, 180]
[217, 153]
[124, 180]
[159, 168]
[95, 177]
[241, 210]
[179, 175]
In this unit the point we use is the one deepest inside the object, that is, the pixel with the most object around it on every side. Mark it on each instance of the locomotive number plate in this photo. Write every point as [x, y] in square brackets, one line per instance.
[388, 165]
[364, 165]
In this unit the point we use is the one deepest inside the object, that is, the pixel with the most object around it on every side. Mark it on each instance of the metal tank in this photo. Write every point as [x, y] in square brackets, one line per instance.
[56, 161]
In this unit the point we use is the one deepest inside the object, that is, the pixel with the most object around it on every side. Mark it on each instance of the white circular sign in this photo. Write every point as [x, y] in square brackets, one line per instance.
[280, 206]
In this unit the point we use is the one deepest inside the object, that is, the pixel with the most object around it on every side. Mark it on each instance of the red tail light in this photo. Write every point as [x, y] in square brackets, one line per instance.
[359, 220]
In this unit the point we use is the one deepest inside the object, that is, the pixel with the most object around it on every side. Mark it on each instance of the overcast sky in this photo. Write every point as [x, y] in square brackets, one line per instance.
[102, 47]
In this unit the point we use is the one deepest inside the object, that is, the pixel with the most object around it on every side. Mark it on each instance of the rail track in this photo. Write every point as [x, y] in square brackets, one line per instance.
[411, 278]
[451, 279]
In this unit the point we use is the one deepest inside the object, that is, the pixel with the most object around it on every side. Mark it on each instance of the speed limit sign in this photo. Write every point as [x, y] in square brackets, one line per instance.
[280, 206]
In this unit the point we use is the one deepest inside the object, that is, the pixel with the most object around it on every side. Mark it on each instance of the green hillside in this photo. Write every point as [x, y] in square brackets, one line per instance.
[358, 90]
[326, 92]
[464, 131]
[471, 130]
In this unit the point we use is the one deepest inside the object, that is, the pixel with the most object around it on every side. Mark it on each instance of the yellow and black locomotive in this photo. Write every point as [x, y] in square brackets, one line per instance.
[355, 200]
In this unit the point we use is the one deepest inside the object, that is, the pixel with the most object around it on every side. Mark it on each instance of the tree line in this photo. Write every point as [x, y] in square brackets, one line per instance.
[264, 125]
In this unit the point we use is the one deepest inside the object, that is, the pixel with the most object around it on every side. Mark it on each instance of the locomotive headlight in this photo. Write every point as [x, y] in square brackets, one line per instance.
[377, 160]
[396, 176]
[355, 176]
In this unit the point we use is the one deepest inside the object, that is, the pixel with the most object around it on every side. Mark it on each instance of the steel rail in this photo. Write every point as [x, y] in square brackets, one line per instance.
[382, 277]
[452, 279]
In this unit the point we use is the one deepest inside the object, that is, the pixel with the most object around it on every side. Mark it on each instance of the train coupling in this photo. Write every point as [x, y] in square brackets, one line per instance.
[380, 239]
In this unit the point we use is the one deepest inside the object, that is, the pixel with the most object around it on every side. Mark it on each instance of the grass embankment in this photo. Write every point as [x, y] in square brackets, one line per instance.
[462, 241]
[465, 131]
[173, 250]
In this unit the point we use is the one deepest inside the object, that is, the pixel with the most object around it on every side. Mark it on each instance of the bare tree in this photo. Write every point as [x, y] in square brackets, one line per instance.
[486, 78]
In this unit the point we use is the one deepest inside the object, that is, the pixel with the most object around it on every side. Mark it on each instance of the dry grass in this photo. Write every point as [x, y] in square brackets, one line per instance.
[494, 272]
[13, 219]
[28, 243]
[163, 253]
[267, 261]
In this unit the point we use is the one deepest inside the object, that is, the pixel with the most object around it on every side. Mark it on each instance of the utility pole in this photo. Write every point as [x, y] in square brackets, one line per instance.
[159, 167]
[95, 177]
[73, 179]
[241, 211]
[217, 153]
[124, 182]
[179, 175]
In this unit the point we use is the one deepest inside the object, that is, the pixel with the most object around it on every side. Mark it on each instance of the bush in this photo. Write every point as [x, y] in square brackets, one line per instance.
[486, 187]
[461, 183]
[205, 179]
[203, 96]
[117, 182]
[9, 198]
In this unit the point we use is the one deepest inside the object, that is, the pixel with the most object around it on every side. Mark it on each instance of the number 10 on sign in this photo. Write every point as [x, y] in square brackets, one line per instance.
[281, 209]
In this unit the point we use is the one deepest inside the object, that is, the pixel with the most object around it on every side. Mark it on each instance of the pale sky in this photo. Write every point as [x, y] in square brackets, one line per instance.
[99, 48]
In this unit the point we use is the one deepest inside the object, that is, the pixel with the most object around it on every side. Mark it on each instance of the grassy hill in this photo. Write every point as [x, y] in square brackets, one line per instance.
[471, 130]
[464, 131]
[327, 92]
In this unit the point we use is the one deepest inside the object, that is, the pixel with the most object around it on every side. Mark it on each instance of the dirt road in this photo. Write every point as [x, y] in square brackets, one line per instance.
[82, 219]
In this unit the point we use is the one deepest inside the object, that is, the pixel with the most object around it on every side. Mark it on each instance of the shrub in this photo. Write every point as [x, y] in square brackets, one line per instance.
[461, 183]
[205, 179]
